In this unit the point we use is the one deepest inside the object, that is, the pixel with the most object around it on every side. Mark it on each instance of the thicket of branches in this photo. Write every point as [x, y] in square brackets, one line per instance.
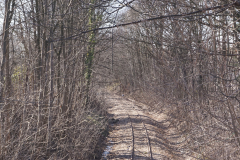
[48, 107]
[191, 61]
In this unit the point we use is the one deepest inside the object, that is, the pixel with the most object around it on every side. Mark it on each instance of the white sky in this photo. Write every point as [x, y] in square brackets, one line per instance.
[1, 14]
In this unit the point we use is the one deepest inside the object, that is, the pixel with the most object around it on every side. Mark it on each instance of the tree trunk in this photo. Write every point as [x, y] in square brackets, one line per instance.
[5, 85]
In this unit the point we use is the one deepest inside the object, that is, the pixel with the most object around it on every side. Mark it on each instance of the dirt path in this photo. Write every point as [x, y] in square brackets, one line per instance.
[139, 134]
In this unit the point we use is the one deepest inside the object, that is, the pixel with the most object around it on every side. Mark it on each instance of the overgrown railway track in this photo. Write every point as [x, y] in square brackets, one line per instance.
[135, 122]
[141, 134]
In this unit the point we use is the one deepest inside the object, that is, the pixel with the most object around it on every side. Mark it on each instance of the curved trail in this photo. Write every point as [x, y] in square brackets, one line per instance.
[140, 134]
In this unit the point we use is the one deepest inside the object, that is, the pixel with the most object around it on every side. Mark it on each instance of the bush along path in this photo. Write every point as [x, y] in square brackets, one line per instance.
[138, 133]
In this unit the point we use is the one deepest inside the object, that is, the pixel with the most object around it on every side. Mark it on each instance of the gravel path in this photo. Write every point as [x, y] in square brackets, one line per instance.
[139, 134]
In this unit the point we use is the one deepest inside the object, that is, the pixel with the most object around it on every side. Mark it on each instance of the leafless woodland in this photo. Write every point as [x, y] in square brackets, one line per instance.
[58, 55]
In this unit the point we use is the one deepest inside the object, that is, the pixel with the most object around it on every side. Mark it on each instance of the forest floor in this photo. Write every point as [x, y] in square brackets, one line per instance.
[137, 132]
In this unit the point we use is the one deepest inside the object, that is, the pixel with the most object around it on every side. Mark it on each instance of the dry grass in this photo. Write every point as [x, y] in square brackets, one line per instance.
[73, 135]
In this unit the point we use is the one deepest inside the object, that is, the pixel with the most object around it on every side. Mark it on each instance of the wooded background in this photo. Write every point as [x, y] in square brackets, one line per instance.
[57, 54]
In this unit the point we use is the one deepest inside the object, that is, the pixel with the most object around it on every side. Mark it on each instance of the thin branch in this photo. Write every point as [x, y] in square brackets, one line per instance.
[187, 15]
